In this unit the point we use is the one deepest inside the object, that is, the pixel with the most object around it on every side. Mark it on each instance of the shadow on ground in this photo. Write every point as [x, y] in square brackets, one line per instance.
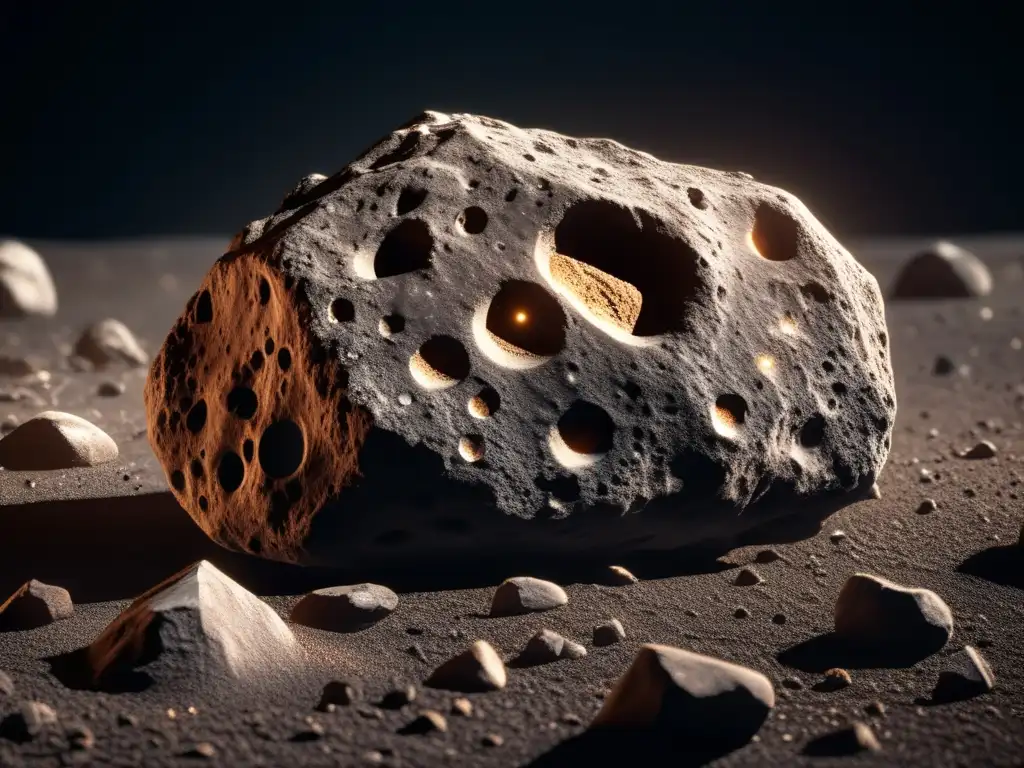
[829, 650]
[1000, 565]
[614, 749]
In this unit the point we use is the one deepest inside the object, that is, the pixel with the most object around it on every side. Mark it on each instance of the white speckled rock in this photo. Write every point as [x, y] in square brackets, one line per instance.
[56, 440]
[26, 287]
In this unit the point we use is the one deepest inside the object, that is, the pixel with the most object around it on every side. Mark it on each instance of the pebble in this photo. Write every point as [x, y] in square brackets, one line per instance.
[80, 737]
[56, 440]
[478, 669]
[983, 450]
[609, 633]
[968, 674]
[492, 740]
[336, 694]
[617, 576]
[741, 613]
[109, 341]
[547, 646]
[345, 609]
[27, 722]
[837, 537]
[399, 697]
[525, 594]
[428, 721]
[311, 731]
[463, 707]
[793, 683]
[416, 652]
[927, 506]
[203, 749]
[34, 605]
[110, 388]
[748, 577]
[853, 739]
[875, 709]
[835, 679]
[26, 287]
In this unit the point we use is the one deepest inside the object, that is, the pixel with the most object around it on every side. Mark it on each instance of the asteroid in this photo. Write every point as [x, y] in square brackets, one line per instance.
[109, 341]
[26, 287]
[56, 440]
[345, 609]
[942, 271]
[198, 626]
[35, 605]
[478, 338]
[704, 699]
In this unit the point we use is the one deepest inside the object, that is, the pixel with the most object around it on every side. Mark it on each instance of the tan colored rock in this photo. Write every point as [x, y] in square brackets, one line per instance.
[109, 341]
[56, 440]
[26, 287]
[476, 670]
[35, 604]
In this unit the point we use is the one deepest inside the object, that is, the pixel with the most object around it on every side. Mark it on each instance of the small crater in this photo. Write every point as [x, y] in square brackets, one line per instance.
[279, 506]
[582, 435]
[390, 325]
[230, 472]
[268, 347]
[204, 308]
[728, 415]
[342, 311]
[511, 195]
[697, 198]
[471, 448]
[410, 199]
[178, 480]
[242, 402]
[196, 419]
[775, 235]
[282, 449]
[406, 248]
[473, 220]
[264, 291]
[197, 468]
[440, 363]
[248, 449]
[485, 403]
[816, 291]
[256, 360]
[812, 434]
[524, 325]
[284, 358]
[203, 503]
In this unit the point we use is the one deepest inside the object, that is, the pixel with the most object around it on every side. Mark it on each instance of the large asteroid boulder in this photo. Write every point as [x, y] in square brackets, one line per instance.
[478, 338]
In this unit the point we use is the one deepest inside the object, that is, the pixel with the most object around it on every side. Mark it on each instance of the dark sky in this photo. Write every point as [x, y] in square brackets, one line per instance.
[134, 118]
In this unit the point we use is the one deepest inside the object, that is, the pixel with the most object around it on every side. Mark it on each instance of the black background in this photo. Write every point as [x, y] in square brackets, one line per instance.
[176, 118]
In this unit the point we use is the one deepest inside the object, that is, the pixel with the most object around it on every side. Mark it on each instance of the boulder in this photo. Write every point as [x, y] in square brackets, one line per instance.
[26, 287]
[478, 338]
[56, 440]
[345, 609]
[525, 594]
[942, 271]
[700, 699]
[109, 341]
[35, 605]
[198, 626]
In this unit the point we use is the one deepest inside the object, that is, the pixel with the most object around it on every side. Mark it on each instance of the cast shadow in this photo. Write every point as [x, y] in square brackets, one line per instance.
[72, 671]
[616, 748]
[829, 650]
[1000, 565]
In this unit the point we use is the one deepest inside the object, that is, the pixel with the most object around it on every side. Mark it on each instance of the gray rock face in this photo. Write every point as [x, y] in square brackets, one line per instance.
[109, 341]
[35, 605]
[198, 626]
[345, 609]
[56, 440]
[26, 287]
[699, 697]
[474, 328]
[943, 271]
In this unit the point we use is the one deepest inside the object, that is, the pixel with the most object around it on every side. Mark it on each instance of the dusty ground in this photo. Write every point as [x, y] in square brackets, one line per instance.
[109, 533]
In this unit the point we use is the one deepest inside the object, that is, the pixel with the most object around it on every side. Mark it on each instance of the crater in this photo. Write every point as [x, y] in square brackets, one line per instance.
[242, 402]
[812, 434]
[471, 448]
[196, 419]
[522, 327]
[484, 404]
[409, 199]
[440, 363]
[728, 415]
[582, 435]
[473, 220]
[282, 449]
[342, 311]
[408, 247]
[230, 472]
[775, 235]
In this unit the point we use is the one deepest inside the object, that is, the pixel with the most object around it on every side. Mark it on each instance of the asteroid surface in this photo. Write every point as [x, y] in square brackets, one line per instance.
[26, 287]
[479, 338]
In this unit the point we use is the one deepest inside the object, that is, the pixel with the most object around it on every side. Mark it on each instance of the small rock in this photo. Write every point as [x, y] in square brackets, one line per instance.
[853, 739]
[35, 605]
[492, 740]
[968, 675]
[463, 707]
[416, 652]
[741, 613]
[109, 341]
[476, 670]
[28, 722]
[878, 614]
[748, 577]
[547, 646]
[126, 720]
[766, 556]
[525, 594]
[983, 450]
[6, 684]
[429, 721]
[609, 633]
[876, 492]
[204, 750]
[943, 366]
[793, 683]
[336, 694]
[80, 738]
[927, 506]
[702, 698]
[56, 440]
[570, 718]
[345, 609]
[110, 388]
[617, 576]
[26, 287]
[835, 679]
[943, 271]
[399, 697]
[837, 537]
[875, 709]
[311, 731]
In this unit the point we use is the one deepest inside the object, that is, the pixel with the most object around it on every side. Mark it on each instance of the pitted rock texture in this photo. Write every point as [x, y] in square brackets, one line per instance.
[473, 327]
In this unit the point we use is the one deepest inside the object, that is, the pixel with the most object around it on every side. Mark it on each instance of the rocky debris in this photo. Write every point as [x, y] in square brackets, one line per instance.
[34, 605]
[698, 697]
[835, 680]
[747, 577]
[462, 707]
[983, 450]
[28, 722]
[199, 626]
[107, 342]
[610, 288]
[428, 721]
[110, 388]
[967, 675]
[943, 366]
[880, 615]
[609, 633]
[476, 670]
[26, 287]
[525, 594]
[336, 694]
[942, 271]
[851, 740]
[417, 652]
[547, 646]
[617, 576]
[399, 697]
[56, 440]
[345, 609]
[927, 506]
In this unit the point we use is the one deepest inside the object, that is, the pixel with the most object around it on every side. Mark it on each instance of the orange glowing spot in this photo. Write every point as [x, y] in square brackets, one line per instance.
[521, 317]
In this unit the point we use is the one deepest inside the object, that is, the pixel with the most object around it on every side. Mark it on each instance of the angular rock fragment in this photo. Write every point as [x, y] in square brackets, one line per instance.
[28, 722]
[26, 287]
[345, 609]
[197, 626]
[702, 699]
[609, 633]
[35, 605]
[851, 740]
[547, 646]
[879, 615]
[365, 378]
[617, 576]
[109, 341]
[525, 594]
[982, 450]
[428, 721]
[943, 271]
[56, 440]
[399, 697]
[835, 679]
[967, 675]
[476, 670]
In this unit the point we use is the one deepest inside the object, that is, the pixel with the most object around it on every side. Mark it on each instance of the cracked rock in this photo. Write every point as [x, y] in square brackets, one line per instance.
[535, 290]
[56, 440]
[345, 609]
[943, 271]
[26, 287]
[35, 605]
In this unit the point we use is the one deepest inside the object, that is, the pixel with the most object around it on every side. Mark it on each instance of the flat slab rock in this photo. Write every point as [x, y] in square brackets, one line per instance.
[479, 338]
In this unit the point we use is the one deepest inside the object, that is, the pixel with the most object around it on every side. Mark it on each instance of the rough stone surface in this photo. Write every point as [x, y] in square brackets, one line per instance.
[967, 674]
[56, 440]
[345, 609]
[525, 594]
[199, 626]
[877, 614]
[568, 339]
[35, 605]
[26, 287]
[476, 670]
[943, 271]
[699, 697]
[109, 341]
